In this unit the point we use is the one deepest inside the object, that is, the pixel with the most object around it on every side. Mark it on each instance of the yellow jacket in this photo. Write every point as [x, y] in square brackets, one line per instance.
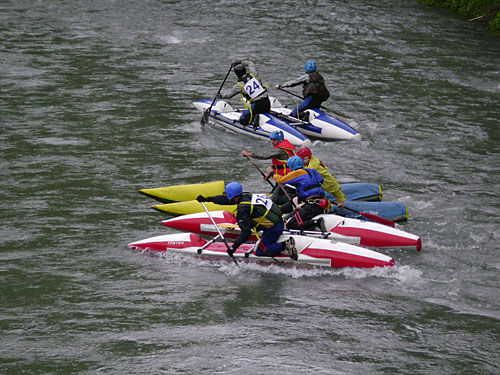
[330, 184]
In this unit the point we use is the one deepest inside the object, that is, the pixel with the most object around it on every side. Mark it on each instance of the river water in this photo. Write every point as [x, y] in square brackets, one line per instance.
[96, 103]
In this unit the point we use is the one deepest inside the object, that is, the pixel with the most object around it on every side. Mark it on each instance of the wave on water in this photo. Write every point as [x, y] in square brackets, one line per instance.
[57, 141]
[404, 275]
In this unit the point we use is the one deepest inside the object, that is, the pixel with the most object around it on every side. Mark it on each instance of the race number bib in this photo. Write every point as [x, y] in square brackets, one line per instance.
[254, 88]
[263, 200]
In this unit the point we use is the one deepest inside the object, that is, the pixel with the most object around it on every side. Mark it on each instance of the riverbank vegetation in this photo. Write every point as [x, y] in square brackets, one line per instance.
[486, 12]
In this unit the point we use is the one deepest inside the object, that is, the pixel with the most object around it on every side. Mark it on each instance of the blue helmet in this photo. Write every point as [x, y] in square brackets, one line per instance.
[233, 189]
[295, 162]
[277, 134]
[310, 66]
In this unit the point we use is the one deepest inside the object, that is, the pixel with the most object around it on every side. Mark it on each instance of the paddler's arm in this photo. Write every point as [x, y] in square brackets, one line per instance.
[295, 82]
[217, 199]
[250, 66]
[276, 153]
[289, 177]
[334, 188]
[232, 92]
[330, 183]
[245, 223]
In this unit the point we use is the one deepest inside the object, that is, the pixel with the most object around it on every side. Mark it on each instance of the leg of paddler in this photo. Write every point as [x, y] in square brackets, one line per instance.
[245, 117]
[290, 247]
[253, 249]
[268, 245]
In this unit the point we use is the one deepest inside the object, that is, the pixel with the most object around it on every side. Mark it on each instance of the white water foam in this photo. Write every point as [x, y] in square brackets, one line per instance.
[405, 275]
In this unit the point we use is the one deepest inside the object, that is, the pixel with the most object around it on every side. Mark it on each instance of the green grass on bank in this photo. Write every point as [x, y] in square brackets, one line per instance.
[482, 11]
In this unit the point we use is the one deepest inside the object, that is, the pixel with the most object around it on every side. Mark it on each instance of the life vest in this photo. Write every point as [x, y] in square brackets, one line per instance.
[252, 88]
[314, 189]
[316, 86]
[267, 213]
[279, 165]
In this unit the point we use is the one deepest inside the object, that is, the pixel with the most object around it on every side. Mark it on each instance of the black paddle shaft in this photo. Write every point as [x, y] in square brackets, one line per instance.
[204, 118]
[218, 230]
[301, 97]
[262, 173]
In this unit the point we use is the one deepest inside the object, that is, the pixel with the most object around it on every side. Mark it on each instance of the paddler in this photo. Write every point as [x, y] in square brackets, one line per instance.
[314, 90]
[332, 188]
[255, 212]
[308, 183]
[252, 91]
[282, 151]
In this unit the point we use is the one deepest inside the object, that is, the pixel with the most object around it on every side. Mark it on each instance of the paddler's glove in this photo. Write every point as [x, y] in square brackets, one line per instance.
[201, 198]
[230, 251]
[218, 96]
[236, 62]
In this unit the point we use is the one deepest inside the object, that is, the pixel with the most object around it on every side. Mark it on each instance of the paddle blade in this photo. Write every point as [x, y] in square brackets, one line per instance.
[378, 219]
[204, 118]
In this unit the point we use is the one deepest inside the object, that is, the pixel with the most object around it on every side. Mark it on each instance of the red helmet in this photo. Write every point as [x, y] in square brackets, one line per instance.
[303, 152]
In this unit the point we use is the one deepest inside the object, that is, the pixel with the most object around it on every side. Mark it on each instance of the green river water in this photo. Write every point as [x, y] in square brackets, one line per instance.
[96, 103]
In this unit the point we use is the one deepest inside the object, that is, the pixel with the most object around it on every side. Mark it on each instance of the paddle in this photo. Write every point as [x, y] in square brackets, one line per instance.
[293, 120]
[295, 208]
[262, 173]
[373, 217]
[288, 196]
[218, 230]
[299, 219]
[300, 97]
[204, 118]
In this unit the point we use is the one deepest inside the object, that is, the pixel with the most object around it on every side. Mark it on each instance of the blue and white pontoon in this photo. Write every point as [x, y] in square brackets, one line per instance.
[223, 114]
[315, 123]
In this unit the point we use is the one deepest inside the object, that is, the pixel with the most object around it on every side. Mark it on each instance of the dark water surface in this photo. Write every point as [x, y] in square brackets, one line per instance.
[96, 103]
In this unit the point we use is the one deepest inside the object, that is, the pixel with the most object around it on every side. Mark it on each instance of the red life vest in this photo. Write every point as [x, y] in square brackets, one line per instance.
[280, 165]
